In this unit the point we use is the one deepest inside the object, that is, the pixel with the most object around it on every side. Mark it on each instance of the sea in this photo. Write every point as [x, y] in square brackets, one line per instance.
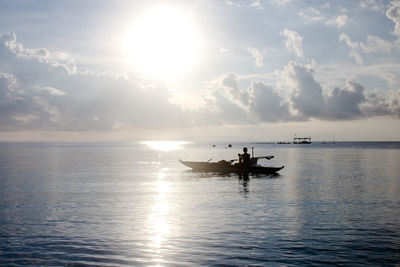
[135, 204]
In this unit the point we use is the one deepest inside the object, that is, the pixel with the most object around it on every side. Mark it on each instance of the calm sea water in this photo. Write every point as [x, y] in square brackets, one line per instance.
[133, 205]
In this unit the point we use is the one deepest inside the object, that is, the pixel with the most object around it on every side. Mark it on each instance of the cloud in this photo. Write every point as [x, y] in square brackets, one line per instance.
[281, 3]
[232, 91]
[378, 105]
[308, 99]
[20, 110]
[340, 21]
[257, 55]
[393, 13]
[257, 103]
[305, 93]
[52, 90]
[266, 103]
[13, 51]
[394, 103]
[301, 98]
[7, 87]
[223, 50]
[256, 3]
[373, 44]
[44, 90]
[314, 15]
[294, 42]
[232, 3]
[356, 56]
[276, 3]
[344, 103]
[391, 77]
[374, 5]
[344, 37]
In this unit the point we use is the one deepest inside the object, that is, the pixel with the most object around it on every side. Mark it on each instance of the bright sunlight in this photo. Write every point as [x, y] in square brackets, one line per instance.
[164, 43]
[165, 145]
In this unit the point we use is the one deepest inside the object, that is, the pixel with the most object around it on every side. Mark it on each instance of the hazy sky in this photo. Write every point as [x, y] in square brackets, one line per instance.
[199, 70]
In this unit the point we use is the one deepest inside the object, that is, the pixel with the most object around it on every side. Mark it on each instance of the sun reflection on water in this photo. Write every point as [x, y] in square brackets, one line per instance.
[161, 175]
[165, 145]
[158, 218]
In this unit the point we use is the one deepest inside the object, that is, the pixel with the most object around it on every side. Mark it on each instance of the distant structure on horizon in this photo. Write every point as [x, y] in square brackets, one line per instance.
[297, 140]
[302, 140]
[328, 142]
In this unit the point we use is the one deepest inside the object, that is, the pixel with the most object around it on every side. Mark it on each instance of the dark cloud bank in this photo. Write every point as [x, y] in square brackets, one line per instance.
[40, 89]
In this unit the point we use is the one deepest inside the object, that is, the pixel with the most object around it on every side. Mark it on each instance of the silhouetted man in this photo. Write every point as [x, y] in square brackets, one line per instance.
[246, 158]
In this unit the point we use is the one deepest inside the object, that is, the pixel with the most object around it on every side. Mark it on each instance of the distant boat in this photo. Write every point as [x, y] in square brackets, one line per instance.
[328, 142]
[302, 140]
[283, 143]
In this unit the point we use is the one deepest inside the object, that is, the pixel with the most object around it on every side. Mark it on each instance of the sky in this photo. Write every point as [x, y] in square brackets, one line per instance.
[199, 70]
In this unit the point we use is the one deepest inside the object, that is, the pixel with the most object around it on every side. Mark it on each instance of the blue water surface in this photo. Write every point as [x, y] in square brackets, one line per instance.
[130, 204]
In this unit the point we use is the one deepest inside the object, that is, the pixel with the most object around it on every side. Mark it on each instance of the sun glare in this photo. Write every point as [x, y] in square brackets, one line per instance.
[165, 145]
[164, 43]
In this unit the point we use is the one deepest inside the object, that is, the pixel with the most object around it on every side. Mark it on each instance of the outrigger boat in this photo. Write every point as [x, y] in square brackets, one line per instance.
[225, 166]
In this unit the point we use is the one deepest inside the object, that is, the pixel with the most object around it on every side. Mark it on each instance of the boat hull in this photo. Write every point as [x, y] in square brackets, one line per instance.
[228, 167]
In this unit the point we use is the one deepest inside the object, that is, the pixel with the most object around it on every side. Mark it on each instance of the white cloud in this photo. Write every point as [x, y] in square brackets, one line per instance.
[257, 55]
[393, 13]
[344, 37]
[338, 22]
[7, 87]
[374, 5]
[258, 103]
[309, 100]
[305, 99]
[374, 44]
[232, 3]
[327, 5]
[391, 77]
[232, 91]
[356, 56]
[256, 3]
[305, 93]
[281, 3]
[52, 90]
[12, 49]
[223, 50]
[294, 42]
[341, 21]
[40, 90]
[378, 105]
[314, 15]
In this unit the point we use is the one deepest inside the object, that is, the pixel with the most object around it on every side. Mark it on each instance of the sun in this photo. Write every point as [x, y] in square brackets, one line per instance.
[164, 43]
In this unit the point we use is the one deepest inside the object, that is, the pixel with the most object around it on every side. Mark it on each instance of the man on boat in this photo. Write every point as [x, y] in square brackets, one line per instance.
[245, 158]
